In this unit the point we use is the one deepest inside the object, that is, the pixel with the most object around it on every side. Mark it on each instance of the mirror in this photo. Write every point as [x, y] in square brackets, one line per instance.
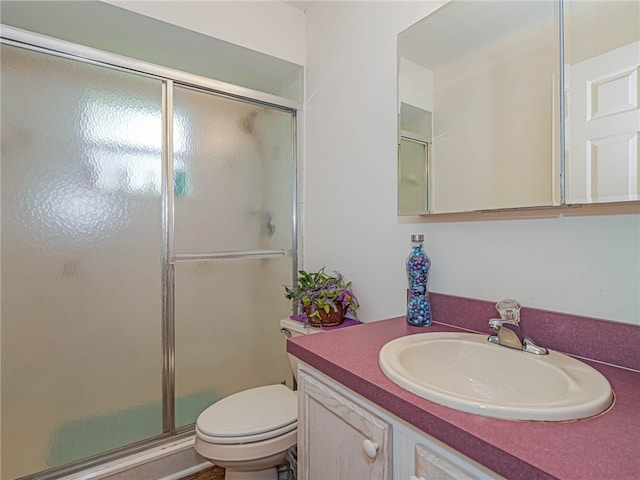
[486, 75]
[602, 116]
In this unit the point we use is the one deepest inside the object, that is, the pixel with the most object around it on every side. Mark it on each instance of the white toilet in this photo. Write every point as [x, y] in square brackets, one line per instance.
[248, 433]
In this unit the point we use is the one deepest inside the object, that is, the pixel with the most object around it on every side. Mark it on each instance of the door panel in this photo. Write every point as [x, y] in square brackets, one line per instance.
[603, 162]
[412, 177]
[227, 329]
[233, 173]
[81, 269]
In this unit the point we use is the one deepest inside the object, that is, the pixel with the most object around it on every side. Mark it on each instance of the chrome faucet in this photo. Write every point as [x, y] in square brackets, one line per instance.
[508, 330]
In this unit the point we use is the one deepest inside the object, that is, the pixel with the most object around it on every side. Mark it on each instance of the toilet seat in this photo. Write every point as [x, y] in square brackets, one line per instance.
[249, 416]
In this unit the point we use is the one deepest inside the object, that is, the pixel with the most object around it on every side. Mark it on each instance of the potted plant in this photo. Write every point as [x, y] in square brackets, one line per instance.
[322, 299]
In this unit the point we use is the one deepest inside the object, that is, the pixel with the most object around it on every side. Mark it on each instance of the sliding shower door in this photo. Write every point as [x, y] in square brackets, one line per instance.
[81, 260]
[233, 234]
[147, 230]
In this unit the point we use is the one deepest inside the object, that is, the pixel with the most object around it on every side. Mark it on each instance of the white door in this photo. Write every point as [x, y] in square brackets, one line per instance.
[604, 120]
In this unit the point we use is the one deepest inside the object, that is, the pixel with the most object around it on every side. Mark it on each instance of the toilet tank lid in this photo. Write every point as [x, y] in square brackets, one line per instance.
[296, 326]
[250, 412]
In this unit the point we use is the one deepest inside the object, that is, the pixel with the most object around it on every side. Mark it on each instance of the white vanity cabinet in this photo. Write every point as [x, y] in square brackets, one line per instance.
[342, 436]
[339, 438]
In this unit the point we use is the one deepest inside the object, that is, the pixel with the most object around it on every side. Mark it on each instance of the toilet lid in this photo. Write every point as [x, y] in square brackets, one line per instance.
[252, 413]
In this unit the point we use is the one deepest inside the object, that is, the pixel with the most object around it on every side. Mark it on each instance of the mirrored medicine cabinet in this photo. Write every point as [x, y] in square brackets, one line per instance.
[512, 105]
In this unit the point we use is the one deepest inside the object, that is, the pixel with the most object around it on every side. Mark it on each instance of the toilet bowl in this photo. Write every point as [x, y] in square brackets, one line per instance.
[248, 433]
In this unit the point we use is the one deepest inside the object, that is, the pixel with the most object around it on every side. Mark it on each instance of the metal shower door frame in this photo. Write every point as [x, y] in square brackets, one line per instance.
[169, 77]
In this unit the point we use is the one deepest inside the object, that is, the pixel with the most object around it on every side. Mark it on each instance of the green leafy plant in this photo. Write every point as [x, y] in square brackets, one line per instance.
[320, 291]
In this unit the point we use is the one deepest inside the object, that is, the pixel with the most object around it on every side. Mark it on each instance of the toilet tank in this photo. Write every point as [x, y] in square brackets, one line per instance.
[296, 328]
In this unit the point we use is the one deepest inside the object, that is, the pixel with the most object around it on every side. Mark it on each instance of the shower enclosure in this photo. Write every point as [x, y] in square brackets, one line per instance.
[148, 225]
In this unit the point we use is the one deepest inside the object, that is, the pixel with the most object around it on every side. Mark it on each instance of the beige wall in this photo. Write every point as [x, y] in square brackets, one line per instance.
[593, 28]
[415, 84]
[493, 125]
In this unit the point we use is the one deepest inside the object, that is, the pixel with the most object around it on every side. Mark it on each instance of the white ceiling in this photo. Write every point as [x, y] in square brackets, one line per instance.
[460, 27]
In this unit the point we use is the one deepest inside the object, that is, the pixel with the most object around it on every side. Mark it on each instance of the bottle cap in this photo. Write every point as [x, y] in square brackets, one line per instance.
[417, 238]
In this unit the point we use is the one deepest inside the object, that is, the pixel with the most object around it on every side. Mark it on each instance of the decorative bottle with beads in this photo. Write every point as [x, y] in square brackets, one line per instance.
[418, 263]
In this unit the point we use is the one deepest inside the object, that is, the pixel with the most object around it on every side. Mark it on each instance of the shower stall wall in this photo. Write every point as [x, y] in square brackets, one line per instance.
[148, 225]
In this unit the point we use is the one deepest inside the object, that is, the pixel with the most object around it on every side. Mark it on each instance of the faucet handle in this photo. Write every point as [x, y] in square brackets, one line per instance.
[509, 310]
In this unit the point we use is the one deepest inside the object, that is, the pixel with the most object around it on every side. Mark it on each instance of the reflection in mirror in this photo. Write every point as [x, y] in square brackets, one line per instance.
[413, 159]
[602, 117]
[412, 177]
[488, 71]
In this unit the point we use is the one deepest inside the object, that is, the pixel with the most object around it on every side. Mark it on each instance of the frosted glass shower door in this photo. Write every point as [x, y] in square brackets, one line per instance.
[81, 260]
[233, 168]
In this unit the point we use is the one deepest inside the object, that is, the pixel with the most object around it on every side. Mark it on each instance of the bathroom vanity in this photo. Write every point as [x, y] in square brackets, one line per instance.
[344, 436]
[359, 424]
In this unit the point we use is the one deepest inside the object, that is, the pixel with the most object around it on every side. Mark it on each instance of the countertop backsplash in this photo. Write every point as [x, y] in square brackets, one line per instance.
[600, 340]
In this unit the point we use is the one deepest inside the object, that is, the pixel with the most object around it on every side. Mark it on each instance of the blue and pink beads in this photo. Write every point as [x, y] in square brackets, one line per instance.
[418, 308]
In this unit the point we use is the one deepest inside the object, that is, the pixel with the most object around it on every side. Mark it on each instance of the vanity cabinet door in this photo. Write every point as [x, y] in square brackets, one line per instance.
[339, 439]
[431, 466]
[419, 456]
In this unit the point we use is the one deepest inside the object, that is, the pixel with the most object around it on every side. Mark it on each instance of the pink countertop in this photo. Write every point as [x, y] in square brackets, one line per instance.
[606, 447]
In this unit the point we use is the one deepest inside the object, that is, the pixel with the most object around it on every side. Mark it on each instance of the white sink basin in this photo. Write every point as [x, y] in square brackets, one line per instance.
[464, 371]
